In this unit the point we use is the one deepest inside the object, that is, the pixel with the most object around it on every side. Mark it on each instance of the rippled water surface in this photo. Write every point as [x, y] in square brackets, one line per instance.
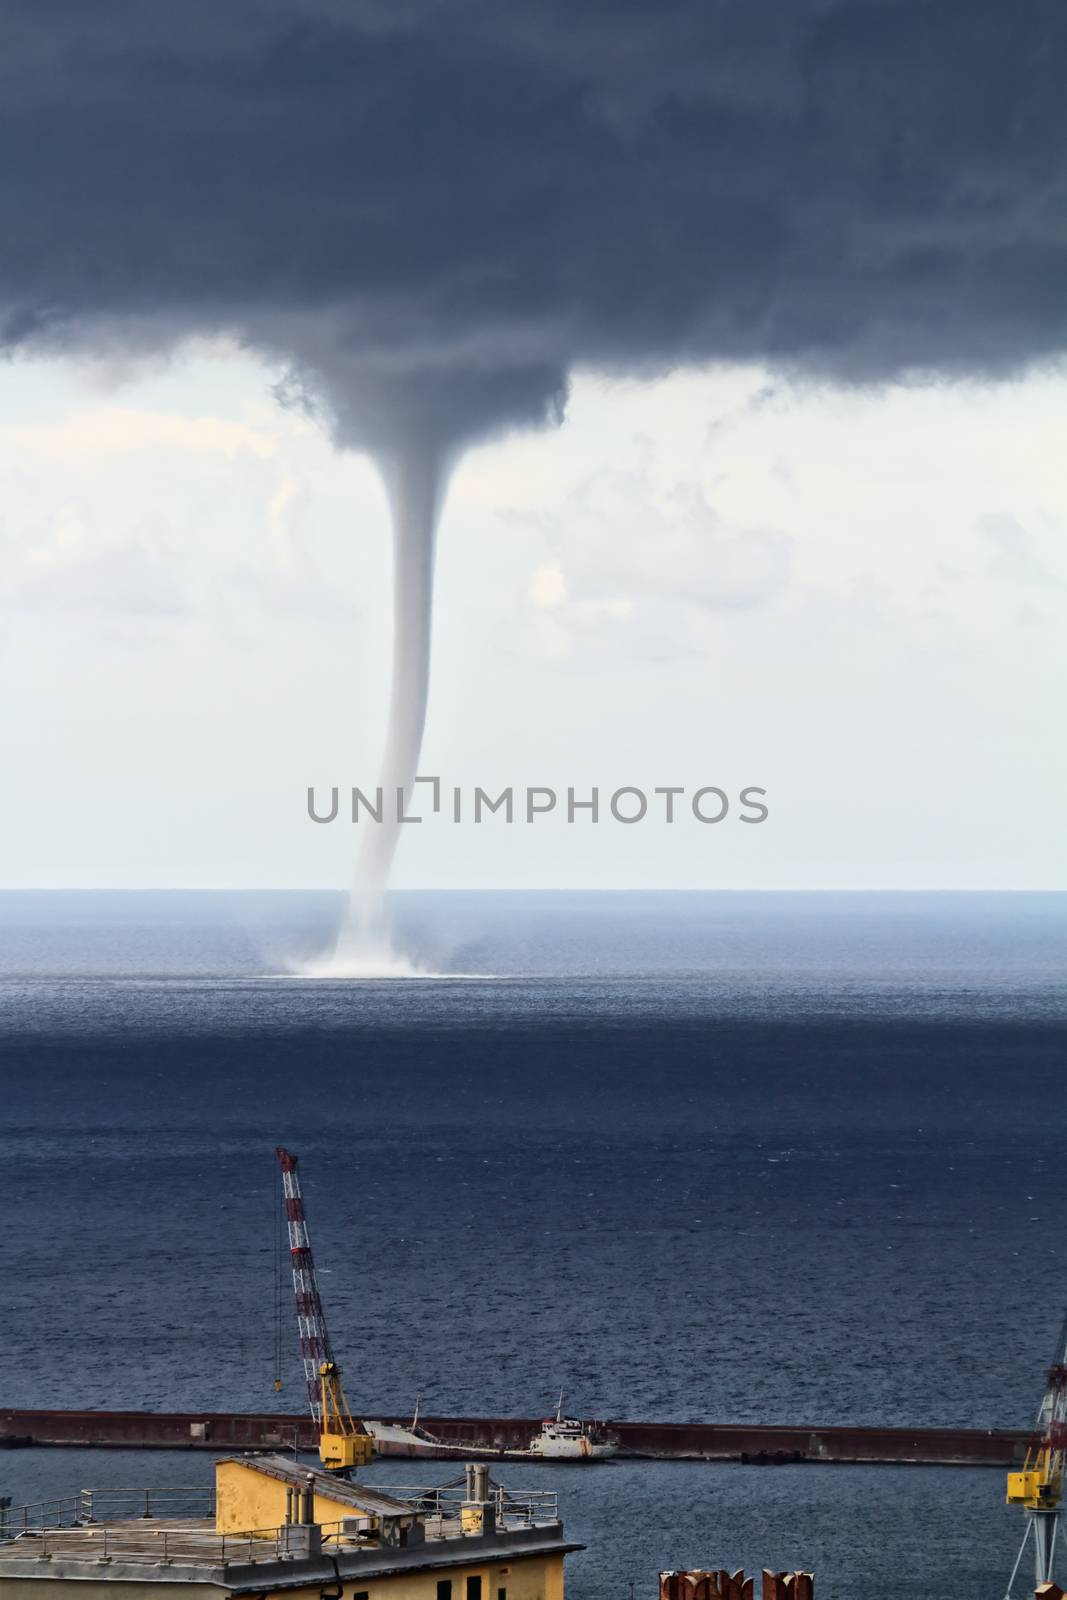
[779, 1158]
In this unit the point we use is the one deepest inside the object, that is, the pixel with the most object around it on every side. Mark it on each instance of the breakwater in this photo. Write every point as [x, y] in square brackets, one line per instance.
[748, 1443]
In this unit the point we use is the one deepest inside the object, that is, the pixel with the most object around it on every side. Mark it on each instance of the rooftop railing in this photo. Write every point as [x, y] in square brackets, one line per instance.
[164, 1545]
[116, 1524]
[526, 1507]
[106, 1505]
[167, 1544]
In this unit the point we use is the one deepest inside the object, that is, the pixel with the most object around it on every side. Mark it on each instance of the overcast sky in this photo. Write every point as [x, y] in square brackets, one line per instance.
[853, 598]
[806, 538]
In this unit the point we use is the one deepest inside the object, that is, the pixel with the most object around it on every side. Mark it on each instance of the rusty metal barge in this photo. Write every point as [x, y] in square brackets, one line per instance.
[748, 1443]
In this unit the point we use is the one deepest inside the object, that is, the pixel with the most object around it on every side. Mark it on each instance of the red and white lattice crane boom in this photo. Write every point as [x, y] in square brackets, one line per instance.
[342, 1442]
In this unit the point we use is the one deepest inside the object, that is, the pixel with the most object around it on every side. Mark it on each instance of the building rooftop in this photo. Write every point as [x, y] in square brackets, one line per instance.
[174, 1535]
[362, 1498]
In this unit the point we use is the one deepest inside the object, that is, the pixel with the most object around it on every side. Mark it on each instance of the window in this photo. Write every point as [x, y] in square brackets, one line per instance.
[444, 1589]
[502, 1594]
[474, 1587]
[361, 1594]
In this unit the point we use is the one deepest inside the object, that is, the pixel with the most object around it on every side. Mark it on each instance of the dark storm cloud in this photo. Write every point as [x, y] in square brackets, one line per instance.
[436, 209]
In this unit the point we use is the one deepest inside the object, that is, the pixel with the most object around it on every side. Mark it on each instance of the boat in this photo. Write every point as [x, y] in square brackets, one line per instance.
[560, 1438]
[568, 1439]
[390, 1439]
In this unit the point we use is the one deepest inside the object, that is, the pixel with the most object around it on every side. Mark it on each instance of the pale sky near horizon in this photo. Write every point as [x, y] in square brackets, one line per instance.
[855, 600]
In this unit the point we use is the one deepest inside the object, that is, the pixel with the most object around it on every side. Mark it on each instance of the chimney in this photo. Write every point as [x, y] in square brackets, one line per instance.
[477, 1514]
[304, 1536]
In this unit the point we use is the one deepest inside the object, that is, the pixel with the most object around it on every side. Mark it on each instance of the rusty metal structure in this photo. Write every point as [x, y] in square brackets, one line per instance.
[751, 1444]
[701, 1584]
[788, 1585]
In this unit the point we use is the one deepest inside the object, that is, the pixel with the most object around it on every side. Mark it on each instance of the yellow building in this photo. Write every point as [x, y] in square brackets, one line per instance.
[277, 1529]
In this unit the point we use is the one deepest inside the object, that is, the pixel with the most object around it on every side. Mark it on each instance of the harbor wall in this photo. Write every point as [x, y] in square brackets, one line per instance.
[752, 1443]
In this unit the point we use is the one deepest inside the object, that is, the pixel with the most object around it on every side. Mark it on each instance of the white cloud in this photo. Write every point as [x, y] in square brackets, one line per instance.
[69, 566]
[548, 586]
[1017, 554]
[692, 579]
[101, 431]
[663, 564]
[154, 508]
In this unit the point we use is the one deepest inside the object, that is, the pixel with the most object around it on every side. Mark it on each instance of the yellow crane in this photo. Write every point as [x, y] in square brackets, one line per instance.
[343, 1443]
[1038, 1485]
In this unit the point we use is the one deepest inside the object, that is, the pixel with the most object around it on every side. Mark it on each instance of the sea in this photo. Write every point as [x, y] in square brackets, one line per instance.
[788, 1158]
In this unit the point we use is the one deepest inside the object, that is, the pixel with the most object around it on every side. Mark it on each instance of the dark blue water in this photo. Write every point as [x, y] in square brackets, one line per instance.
[779, 1158]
